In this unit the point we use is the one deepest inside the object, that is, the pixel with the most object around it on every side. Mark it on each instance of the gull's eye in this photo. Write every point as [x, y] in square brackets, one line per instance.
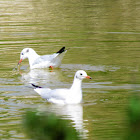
[81, 74]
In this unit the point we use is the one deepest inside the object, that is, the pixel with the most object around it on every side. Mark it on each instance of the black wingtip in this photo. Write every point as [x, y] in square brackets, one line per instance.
[36, 86]
[61, 50]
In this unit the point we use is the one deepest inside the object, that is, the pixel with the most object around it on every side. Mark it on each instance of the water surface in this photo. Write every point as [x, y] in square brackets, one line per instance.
[103, 37]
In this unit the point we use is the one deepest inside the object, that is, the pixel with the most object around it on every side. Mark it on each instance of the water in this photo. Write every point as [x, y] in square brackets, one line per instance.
[103, 37]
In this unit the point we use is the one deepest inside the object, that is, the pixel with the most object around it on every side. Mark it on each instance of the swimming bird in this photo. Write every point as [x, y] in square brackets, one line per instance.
[44, 61]
[73, 95]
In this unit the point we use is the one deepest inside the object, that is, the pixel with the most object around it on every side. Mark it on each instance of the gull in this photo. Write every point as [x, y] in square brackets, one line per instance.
[73, 95]
[44, 61]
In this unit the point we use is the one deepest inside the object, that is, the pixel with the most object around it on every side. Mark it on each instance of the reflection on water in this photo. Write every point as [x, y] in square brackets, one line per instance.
[41, 75]
[54, 76]
[72, 112]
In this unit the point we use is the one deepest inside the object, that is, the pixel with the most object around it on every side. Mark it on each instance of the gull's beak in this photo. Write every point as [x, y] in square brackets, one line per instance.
[20, 61]
[88, 77]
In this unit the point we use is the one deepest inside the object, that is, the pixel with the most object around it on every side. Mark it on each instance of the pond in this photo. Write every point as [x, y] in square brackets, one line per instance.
[103, 39]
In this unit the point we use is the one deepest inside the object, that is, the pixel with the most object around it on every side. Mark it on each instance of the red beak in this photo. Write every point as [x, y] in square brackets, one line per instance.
[20, 61]
[88, 77]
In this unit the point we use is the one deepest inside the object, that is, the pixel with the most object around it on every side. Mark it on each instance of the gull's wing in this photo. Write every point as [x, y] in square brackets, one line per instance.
[42, 91]
[57, 94]
[45, 58]
[58, 58]
[55, 58]
[54, 96]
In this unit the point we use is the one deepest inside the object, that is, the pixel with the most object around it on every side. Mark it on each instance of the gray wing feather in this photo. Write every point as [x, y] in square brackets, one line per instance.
[59, 94]
[55, 59]
[58, 58]
[45, 58]
[47, 93]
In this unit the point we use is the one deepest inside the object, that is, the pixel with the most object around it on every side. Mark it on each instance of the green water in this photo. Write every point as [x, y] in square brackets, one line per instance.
[104, 40]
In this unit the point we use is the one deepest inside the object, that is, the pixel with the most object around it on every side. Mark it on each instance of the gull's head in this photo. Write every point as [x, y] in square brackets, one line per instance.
[81, 74]
[25, 53]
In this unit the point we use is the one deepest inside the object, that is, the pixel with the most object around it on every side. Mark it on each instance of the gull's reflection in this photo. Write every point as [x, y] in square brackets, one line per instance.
[72, 112]
[41, 75]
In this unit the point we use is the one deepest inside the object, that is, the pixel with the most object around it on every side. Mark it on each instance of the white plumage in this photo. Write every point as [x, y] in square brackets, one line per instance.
[44, 61]
[72, 95]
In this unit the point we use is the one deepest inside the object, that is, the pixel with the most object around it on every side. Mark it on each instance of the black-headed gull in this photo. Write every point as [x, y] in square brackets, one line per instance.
[72, 95]
[44, 61]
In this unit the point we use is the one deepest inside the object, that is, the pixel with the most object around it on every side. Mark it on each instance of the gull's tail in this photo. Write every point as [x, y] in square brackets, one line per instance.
[61, 50]
[36, 86]
[58, 58]
[42, 91]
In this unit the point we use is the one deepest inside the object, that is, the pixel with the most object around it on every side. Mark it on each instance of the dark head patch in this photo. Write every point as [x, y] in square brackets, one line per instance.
[27, 50]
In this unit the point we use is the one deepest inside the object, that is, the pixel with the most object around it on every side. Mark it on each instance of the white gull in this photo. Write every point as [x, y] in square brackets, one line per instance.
[72, 95]
[44, 61]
